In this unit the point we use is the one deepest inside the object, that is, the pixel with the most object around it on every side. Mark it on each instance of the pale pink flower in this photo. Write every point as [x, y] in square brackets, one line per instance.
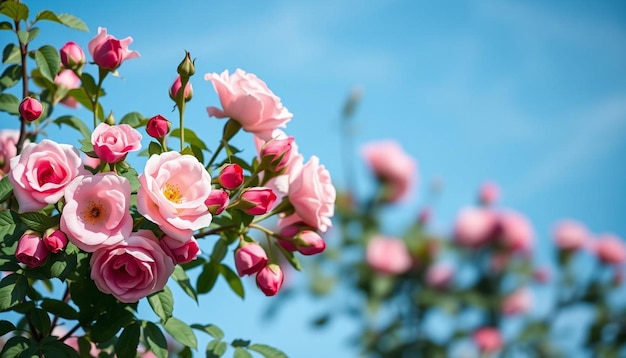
[246, 99]
[516, 231]
[388, 255]
[41, 172]
[96, 212]
[474, 226]
[610, 249]
[132, 269]
[570, 235]
[488, 339]
[108, 52]
[180, 252]
[518, 302]
[313, 195]
[8, 149]
[112, 143]
[392, 166]
[173, 191]
[440, 275]
[68, 80]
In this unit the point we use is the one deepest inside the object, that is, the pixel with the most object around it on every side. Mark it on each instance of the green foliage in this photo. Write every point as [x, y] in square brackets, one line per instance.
[162, 303]
[181, 332]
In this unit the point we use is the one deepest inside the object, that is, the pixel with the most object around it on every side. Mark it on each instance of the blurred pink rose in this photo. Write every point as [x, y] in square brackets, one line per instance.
[31, 250]
[474, 226]
[570, 235]
[388, 255]
[488, 339]
[8, 149]
[392, 166]
[518, 302]
[96, 212]
[72, 55]
[146, 267]
[313, 195]
[176, 87]
[489, 193]
[516, 231]
[112, 143]
[108, 52]
[250, 259]
[439, 275]
[217, 201]
[180, 252]
[55, 240]
[173, 191]
[68, 80]
[246, 99]
[41, 172]
[258, 200]
[610, 249]
[270, 279]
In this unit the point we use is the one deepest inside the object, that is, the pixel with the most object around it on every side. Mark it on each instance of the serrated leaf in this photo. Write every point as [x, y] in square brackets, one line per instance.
[9, 103]
[48, 61]
[47, 15]
[181, 332]
[215, 349]
[10, 77]
[126, 346]
[14, 10]
[219, 251]
[22, 36]
[6, 327]
[267, 351]
[75, 123]
[72, 22]
[207, 278]
[211, 329]
[7, 223]
[11, 54]
[37, 221]
[162, 303]
[233, 280]
[5, 189]
[155, 339]
[182, 279]
[32, 34]
[134, 119]
[241, 353]
[12, 290]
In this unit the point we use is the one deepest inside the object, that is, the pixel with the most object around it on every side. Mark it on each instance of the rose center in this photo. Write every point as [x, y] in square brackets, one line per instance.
[172, 193]
[94, 212]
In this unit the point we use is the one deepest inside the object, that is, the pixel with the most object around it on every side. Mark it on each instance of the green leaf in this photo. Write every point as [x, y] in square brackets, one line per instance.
[89, 83]
[14, 10]
[32, 34]
[215, 349]
[10, 77]
[240, 343]
[155, 339]
[133, 178]
[267, 351]
[37, 221]
[108, 324]
[40, 320]
[162, 303]
[81, 97]
[72, 22]
[5, 189]
[59, 308]
[5, 25]
[181, 277]
[241, 353]
[22, 36]
[134, 119]
[7, 223]
[190, 137]
[11, 54]
[12, 290]
[211, 329]
[17, 346]
[47, 15]
[181, 332]
[233, 280]
[126, 346]
[207, 278]
[154, 148]
[219, 251]
[56, 348]
[48, 61]
[9, 103]
[291, 258]
[75, 123]
[63, 265]
[6, 327]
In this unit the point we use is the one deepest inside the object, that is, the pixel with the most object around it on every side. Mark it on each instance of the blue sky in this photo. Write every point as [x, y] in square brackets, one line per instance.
[529, 94]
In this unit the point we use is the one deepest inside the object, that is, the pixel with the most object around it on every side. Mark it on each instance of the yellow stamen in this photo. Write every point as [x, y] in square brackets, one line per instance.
[172, 193]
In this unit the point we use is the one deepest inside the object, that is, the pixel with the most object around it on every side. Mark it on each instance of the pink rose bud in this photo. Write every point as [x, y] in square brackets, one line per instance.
[112, 143]
[516, 231]
[55, 240]
[474, 226]
[176, 87]
[158, 126]
[570, 235]
[250, 259]
[489, 193]
[217, 201]
[31, 250]
[108, 52]
[610, 249]
[258, 201]
[488, 339]
[308, 242]
[392, 166]
[231, 176]
[72, 56]
[518, 302]
[440, 275]
[180, 252]
[388, 255]
[30, 109]
[270, 279]
[277, 152]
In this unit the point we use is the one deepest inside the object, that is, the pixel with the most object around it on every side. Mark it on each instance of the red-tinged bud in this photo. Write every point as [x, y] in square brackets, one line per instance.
[231, 176]
[217, 201]
[158, 126]
[175, 88]
[250, 259]
[30, 109]
[277, 152]
[55, 240]
[308, 242]
[270, 279]
[180, 252]
[31, 250]
[257, 201]
[72, 56]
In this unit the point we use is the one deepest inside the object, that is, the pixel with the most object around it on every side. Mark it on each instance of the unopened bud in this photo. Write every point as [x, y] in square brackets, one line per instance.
[110, 120]
[186, 68]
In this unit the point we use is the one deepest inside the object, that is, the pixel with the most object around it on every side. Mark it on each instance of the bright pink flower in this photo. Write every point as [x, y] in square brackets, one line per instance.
[176, 87]
[132, 269]
[112, 143]
[489, 193]
[308, 242]
[96, 212]
[41, 172]
[277, 151]
[246, 99]
[474, 226]
[173, 191]
[31, 250]
[55, 240]
[217, 201]
[610, 249]
[180, 252]
[250, 259]
[388, 255]
[8, 148]
[30, 109]
[439, 275]
[258, 200]
[518, 302]
[488, 339]
[570, 235]
[231, 176]
[72, 55]
[313, 195]
[158, 126]
[270, 279]
[392, 166]
[67, 80]
[109, 52]
[516, 231]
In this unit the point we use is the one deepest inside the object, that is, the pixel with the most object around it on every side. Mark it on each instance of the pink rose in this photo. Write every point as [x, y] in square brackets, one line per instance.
[313, 195]
[489, 193]
[41, 172]
[55, 240]
[516, 231]
[570, 235]
[246, 99]
[180, 252]
[109, 52]
[393, 167]
[610, 249]
[8, 148]
[518, 302]
[231, 176]
[112, 143]
[67, 80]
[250, 259]
[173, 192]
[488, 339]
[270, 279]
[217, 201]
[31, 250]
[176, 87]
[474, 226]
[132, 269]
[257, 201]
[72, 55]
[96, 212]
[439, 275]
[158, 126]
[388, 255]
[30, 109]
